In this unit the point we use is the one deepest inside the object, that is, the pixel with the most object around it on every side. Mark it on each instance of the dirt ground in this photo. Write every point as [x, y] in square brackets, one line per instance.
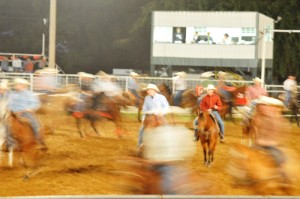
[85, 166]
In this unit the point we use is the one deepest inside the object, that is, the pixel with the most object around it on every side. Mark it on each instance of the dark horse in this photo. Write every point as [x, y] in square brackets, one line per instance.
[24, 140]
[208, 132]
[295, 107]
[100, 106]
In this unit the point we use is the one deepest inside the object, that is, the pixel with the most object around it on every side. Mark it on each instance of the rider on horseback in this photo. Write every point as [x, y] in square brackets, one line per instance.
[252, 94]
[212, 103]
[154, 104]
[24, 103]
[269, 124]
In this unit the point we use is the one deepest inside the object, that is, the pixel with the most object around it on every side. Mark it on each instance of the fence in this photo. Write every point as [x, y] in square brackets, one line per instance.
[63, 80]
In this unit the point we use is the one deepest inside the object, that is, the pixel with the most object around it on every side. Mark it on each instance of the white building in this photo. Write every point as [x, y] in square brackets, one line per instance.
[242, 51]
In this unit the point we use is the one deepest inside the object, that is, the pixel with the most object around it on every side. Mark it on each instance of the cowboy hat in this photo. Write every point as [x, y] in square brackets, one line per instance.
[152, 86]
[21, 81]
[134, 74]
[181, 74]
[4, 84]
[210, 87]
[269, 101]
[83, 74]
[256, 79]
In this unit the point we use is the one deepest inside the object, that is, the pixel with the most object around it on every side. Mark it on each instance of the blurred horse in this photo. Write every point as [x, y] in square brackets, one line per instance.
[140, 176]
[255, 168]
[22, 133]
[294, 106]
[99, 106]
[237, 98]
[268, 166]
[161, 170]
[208, 132]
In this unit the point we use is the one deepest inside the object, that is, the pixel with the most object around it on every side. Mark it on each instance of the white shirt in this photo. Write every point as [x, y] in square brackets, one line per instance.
[289, 85]
[179, 83]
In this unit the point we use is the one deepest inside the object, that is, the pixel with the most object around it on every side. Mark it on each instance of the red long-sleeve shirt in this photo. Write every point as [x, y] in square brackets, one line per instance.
[209, 101]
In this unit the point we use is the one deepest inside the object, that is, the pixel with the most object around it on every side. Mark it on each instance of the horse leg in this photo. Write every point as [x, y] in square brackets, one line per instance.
[204, 153]
[78, 122]
[93, 125]
[10, 156]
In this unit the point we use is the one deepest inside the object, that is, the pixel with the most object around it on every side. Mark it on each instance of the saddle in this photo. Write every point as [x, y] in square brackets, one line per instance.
[215, 120]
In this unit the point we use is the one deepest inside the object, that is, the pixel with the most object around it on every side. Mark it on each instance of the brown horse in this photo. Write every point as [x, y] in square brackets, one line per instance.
[255, 168]
[99, 106]
[23, 135]
[208, 132]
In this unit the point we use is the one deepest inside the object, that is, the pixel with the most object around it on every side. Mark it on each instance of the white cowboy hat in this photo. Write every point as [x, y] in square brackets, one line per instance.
[83, 74]
[269, 101]
[181, 74]
[152, 86]
[4, 84]
[134, 74]
[210, 87]
[21, 81]
[256, 79]
[221, 73]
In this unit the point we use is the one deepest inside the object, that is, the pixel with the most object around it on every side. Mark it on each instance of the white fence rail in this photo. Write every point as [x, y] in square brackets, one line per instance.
[63, 80]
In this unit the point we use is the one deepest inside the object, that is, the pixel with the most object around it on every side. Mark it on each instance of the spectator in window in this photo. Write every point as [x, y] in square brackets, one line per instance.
[226, 39]
[16, 64]
[5, 65]
[179, 36]
[28, 66]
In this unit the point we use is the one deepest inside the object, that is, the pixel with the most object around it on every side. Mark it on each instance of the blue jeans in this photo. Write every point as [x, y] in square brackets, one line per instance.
[141, 135]
[220, 121]
[177, 98]
[167, 173]
[226, 95]
[288, 96]
[135, 93]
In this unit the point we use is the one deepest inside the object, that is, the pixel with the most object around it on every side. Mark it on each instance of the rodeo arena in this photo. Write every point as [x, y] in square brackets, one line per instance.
[223, 133]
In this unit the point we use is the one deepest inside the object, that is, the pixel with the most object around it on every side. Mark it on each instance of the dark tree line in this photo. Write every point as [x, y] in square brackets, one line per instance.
[95, 35]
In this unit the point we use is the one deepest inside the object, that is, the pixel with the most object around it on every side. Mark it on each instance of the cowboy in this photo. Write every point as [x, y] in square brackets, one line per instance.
[212, 103]
[133, 86]
[252, 94]
[24, 103]
[154, 104]
[179, 86]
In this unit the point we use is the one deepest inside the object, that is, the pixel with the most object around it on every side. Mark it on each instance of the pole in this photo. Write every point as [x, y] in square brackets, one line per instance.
[263, 60]
[43, 45]
[52, 34]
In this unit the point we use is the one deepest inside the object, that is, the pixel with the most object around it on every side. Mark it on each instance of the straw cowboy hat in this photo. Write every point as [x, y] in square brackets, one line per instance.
[134, 74]
[152, 86]
[83, 74]
[181, 74]
[47, 71]
[269, 101]
[210, 87]
[21, 81]
[256, 79]
[4, 84]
